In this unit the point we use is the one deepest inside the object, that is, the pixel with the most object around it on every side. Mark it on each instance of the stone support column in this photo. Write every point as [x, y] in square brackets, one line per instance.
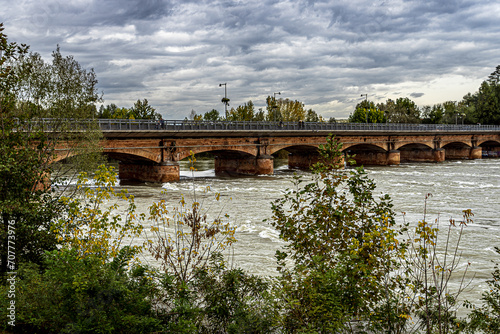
[476, 152]
[439, 155]
[262, 164]
[265, 165]
[160, 173]
[393, 157]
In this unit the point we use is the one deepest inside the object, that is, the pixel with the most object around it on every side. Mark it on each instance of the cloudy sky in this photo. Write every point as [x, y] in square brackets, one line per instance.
[325, 53]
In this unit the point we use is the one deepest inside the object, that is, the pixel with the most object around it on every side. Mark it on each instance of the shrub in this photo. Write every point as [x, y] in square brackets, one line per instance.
[84, 295]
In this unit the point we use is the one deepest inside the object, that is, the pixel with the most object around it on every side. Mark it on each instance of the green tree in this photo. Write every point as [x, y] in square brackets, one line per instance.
[286, 110]
[311, 116]
[341, 241]
[246, 112]
[212, 115]
[142, 110]
[403, 110]
[367, 112]
[483, 106]
[451, 113]
[234, 301]
[291, 111]
[31, 90]
[487, 105]
[83, 295]
[107, 112]
[432, 115]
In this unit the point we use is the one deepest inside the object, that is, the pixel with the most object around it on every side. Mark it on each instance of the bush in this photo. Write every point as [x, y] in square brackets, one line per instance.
[341, 243]
[83, 295]
[486, 319]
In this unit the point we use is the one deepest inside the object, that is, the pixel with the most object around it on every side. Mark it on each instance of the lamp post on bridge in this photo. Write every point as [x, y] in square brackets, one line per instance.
[225, 100]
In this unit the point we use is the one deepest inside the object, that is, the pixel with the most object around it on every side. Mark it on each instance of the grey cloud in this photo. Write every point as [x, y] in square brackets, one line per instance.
[324, 52]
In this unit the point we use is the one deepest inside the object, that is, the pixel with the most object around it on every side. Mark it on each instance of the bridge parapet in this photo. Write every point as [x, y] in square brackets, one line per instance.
[111, 125]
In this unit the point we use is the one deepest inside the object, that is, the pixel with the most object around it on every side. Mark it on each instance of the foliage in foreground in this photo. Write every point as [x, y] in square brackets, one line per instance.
[341, 247]
[346, 268]
[83, 295]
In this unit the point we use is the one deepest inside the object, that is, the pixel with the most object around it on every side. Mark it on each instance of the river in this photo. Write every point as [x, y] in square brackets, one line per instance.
[454, 185]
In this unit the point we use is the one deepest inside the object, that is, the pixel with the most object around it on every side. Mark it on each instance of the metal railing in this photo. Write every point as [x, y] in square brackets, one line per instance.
[182, 125]
[187, 125]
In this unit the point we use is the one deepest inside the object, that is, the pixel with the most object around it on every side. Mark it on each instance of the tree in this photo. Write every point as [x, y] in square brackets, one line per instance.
[487, 104]
[403, 110]
[340, 243]
[367, 112]
[83, 295]
[285, 110]
[212, 115]
[432, 115]
[142, 110]
[31, 90]
[113, 111]
[292, 111]
[90, 228]
[311, 116]
[246, 112]
[494, 77]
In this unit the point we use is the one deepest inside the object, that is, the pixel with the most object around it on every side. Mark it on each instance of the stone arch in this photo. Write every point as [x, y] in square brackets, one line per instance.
[134, 154]
[457, 150]
[419, 152]
[301, 156]
[116, 155]
[125, 157]
[180, 155]
[490, 149]
[406, 145]
[367, 154]
[367, 145]
[452, 142]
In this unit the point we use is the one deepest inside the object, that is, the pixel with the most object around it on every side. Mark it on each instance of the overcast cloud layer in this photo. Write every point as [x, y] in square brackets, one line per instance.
[323, 53]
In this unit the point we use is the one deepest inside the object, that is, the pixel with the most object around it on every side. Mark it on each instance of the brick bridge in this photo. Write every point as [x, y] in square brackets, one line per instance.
[150, 151]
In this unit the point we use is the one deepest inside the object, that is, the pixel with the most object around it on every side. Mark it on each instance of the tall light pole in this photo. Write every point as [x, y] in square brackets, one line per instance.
[275, 106]
[225, 100]
[366, 110]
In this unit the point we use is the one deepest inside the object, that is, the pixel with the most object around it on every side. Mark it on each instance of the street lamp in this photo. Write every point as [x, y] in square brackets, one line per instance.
[366, 111]
[275, 106]
[225, 100]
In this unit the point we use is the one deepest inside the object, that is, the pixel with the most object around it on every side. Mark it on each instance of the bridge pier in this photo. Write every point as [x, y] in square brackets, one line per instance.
[263, 164]
[393, 157]
[439, 155]
[159, 173]
[476, 152]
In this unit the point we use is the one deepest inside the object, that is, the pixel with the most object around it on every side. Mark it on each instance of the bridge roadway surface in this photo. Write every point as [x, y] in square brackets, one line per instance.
[150, 150]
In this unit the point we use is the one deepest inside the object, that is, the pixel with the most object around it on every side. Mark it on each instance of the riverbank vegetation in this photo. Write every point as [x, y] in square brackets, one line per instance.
[70, 261]
[346, 267]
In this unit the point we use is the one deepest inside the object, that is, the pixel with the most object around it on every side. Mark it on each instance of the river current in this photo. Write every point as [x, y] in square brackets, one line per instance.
[454, 185]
